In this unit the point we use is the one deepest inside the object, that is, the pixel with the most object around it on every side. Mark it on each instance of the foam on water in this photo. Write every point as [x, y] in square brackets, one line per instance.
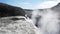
[48, 23]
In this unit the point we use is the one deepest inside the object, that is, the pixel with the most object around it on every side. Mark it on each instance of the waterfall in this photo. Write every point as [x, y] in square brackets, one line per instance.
[46, 20]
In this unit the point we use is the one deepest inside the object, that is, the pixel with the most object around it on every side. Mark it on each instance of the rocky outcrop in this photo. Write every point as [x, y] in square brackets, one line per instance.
[28, 12]
[56, 8]
[8, 10]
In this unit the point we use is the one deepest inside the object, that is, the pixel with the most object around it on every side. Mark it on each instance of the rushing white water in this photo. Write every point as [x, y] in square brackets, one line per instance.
[47, 21]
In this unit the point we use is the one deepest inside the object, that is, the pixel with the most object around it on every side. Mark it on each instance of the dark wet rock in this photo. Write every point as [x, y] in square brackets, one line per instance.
[28, 12]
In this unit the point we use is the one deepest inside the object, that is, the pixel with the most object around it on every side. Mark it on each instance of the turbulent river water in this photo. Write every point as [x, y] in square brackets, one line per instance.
[47, 21]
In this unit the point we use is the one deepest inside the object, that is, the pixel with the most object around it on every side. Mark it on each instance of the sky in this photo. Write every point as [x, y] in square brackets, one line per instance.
[31, 4]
